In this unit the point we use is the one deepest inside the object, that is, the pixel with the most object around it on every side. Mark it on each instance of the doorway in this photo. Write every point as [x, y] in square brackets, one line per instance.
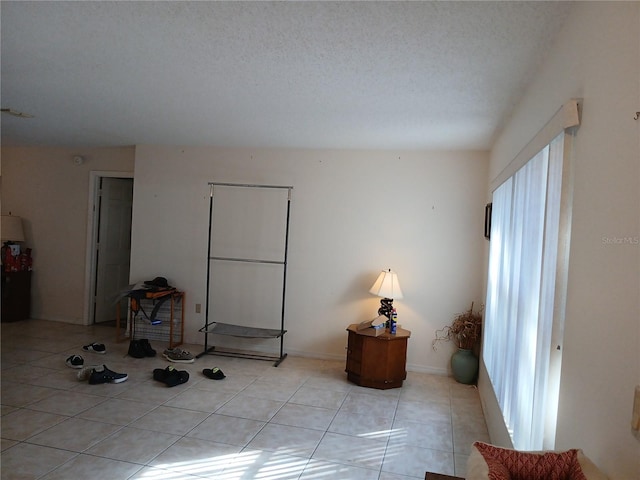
[110, 245]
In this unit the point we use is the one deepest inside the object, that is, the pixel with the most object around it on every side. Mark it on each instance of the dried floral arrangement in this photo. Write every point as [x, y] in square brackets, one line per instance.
[464, 331]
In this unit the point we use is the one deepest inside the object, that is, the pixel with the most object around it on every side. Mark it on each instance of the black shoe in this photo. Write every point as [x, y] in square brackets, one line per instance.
[75, 361]
[95, 348]
[136, 350]
[146, 348]
[170, 376]
[104, 375]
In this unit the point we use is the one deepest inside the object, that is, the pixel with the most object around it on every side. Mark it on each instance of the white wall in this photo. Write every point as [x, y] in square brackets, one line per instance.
[51, 193]
[596, 58]
[353, 213]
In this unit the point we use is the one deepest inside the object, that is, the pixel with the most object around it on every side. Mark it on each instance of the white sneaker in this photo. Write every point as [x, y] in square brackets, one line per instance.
[95, 348]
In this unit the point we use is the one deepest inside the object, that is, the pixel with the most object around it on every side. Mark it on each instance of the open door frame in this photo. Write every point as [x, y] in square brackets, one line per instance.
[92, 233]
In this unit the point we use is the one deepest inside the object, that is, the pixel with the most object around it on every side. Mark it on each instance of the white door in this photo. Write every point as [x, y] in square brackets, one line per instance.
[113, 246]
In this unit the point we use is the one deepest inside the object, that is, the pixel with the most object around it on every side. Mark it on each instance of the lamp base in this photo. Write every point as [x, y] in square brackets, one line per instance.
[386, 307]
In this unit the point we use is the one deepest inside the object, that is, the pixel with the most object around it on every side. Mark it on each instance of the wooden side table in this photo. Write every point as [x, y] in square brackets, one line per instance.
[439, 476]
[16, 296]
[169, 318]
[377, 362]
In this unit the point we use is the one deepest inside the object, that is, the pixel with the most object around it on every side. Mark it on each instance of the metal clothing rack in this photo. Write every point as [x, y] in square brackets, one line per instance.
[219, 328]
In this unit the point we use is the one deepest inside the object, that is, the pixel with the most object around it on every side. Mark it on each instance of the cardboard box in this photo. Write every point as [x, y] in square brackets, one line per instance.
[372, 331]
[373, 323]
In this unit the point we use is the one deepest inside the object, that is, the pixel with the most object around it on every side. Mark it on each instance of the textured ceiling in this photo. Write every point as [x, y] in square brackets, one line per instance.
[397, 75]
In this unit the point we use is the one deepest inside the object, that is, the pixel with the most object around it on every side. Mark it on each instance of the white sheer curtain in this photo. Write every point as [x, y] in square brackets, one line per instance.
[521, 291]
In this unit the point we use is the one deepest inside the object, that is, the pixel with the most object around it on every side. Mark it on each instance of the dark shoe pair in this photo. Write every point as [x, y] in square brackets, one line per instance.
[170, 376]
[141, 348]
[104, 375]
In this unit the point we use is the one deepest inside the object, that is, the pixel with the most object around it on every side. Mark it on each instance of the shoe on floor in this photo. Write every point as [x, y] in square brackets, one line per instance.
[170, 376]
[75, 361]
[95, 348]
[213, 373]
[136, 350]
[103, 375]
[178, 355]
[146, 348]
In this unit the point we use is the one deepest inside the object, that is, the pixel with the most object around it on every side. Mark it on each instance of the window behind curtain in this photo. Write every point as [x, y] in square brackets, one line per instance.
[520, 317]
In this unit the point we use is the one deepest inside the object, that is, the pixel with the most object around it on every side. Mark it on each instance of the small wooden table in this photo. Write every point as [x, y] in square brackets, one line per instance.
[16, 295]
[439, 476]
[164, 327]
[377, 362]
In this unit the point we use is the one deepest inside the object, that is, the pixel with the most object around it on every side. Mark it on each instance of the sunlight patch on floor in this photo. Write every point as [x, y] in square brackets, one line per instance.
[167, 471]
[379, 435]
[254, 464]
[264, 465]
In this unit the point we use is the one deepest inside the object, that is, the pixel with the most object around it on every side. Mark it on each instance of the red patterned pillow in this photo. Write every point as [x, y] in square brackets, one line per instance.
[507, 464]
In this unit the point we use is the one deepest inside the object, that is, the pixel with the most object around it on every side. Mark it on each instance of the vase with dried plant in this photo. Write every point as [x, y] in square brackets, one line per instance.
[464, 332]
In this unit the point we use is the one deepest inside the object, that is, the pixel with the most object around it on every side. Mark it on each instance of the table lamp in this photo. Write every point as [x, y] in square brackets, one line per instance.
[12, 231]
[387, 287]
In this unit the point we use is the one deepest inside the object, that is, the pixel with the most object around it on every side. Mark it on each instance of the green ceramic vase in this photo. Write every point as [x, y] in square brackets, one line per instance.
[464, 365]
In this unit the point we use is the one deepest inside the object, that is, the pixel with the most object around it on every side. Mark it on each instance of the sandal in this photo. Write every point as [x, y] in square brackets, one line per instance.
[213, 373]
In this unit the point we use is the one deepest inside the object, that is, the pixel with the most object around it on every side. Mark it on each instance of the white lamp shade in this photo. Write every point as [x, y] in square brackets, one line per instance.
[12, 229]
[387, 285]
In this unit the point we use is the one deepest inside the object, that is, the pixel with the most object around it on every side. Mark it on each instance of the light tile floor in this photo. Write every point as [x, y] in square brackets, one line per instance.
[301, 420]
